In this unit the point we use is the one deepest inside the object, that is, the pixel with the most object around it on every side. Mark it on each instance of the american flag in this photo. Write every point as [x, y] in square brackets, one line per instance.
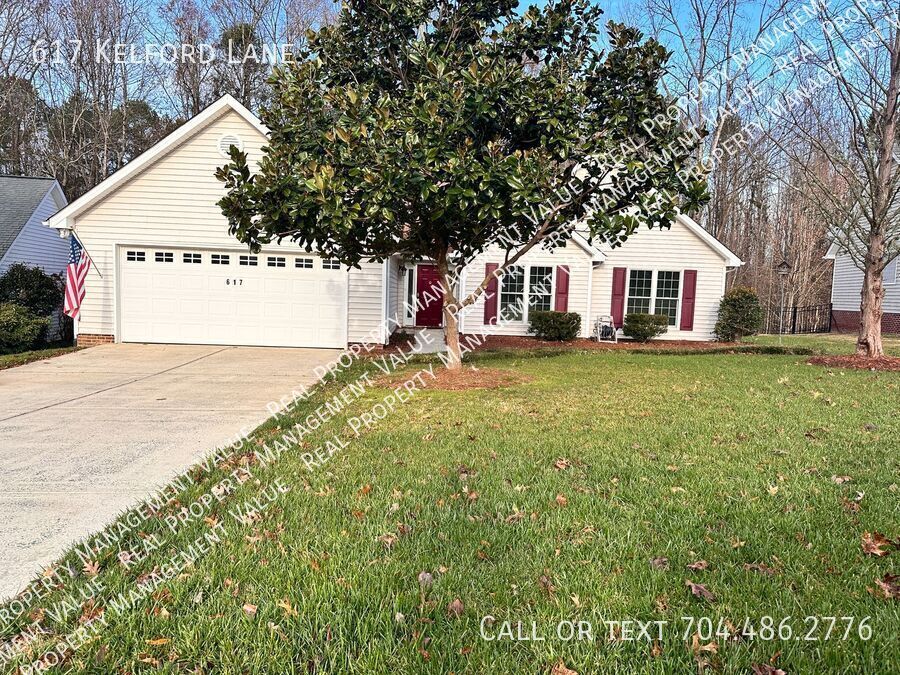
[76, 272]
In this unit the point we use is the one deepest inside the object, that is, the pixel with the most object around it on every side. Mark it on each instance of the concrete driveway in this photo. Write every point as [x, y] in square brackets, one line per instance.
[86, 435]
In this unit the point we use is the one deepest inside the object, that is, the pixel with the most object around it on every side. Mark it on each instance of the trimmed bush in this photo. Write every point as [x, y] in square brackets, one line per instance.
[645, 327]
[555, 326]
[20, 329]
[740, 314]
[32, 288]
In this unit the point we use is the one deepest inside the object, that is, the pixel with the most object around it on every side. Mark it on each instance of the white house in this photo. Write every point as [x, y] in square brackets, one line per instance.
[171, 272]
[846, 290]
[25, 202]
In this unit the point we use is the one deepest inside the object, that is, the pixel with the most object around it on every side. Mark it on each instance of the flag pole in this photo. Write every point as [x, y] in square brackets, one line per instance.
[81, 243]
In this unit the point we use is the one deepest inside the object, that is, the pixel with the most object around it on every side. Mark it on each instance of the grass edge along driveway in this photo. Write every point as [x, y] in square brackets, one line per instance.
[591, 494]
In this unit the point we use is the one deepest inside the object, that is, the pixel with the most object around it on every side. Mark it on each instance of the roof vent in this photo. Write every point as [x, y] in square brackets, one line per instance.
[226, 141]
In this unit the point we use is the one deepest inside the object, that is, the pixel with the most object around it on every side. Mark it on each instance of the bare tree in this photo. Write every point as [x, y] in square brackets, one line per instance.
[848, 118]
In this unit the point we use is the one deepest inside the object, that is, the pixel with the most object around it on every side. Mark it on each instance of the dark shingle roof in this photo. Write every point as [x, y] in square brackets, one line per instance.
[19, 197]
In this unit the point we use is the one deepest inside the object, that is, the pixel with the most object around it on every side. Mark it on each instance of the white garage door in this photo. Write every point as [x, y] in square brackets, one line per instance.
[195, 296]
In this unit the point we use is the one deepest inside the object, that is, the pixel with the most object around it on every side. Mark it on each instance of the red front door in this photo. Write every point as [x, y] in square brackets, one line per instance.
[429, 296]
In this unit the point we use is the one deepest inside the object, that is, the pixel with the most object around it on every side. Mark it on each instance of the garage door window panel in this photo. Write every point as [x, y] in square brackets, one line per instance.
[220, 259]
[136, 256]
[276, 261]
[248, 260]
[164, 257]
[192, 258]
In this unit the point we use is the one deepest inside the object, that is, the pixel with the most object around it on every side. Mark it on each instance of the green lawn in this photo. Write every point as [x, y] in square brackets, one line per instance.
[541, 502]
[12, 360]
[828, 343]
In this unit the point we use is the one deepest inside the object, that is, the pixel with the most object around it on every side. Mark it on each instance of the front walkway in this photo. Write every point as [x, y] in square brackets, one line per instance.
[85, 435]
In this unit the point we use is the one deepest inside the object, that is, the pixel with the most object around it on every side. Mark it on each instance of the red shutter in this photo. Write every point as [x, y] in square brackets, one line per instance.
[688, 297]
[562, 288]
[618, 296]
[490, 296]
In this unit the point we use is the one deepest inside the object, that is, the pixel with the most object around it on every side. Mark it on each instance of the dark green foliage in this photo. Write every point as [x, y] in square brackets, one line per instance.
[32, 288]
[555, 326]
[740, 314]
[435, 129]
[20, 329]
[645, 327]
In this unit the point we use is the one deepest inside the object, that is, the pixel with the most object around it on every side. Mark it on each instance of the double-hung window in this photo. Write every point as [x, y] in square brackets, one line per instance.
[540, 289]
[512, 292]
[667, 285]
[654, 292]
[524, 290]
[640, 292]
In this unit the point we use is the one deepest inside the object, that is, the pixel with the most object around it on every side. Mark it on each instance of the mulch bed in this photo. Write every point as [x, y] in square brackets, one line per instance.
[523, 342]
[881, 363]
[465, 378]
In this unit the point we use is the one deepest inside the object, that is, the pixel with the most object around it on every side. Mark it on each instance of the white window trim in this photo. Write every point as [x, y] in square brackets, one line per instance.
[526, 292]
[654, 275]
[409, 309]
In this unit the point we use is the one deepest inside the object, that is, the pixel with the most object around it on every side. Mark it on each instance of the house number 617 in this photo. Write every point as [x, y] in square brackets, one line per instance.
[234, 282]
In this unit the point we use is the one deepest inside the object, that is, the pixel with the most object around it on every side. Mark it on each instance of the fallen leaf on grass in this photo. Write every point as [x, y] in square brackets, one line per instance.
[840, 480]
[547, 583]
[697, 648]
[561, 669]
[699, 591]
[765, 669]
[561, 500]
[158, 642]
[698, 566]
[249, 610]
[762, 568]
[561, 464]
[455, 609]
[91, 568]
[660, 563]
[285, 605]
[388, 540]
[888, 587]
[874, 543]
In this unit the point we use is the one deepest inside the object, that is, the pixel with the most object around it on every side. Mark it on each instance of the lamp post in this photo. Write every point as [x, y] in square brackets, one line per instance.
[783, 270]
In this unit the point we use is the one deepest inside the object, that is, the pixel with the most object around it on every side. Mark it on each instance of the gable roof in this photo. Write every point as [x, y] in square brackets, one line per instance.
[731, 260]
[20, 197]
[64, 219]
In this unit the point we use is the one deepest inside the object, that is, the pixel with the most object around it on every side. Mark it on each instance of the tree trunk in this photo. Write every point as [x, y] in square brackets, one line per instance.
[869, 341]
[451, 310]
[451, 336]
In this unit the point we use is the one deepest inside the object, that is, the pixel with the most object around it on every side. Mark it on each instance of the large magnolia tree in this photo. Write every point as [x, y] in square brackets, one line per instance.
[437, 128]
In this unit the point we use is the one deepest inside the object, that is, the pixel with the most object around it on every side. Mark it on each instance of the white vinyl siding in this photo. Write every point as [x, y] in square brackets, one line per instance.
[395, 292]
[366, 302]
[673, 250]
[847, 287]
[172, 203]
[572, 255]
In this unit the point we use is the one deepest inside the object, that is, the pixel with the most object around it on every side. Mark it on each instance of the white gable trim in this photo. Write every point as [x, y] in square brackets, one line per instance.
[595, 253]
[64, 220]
[731, 260]
[833, 251]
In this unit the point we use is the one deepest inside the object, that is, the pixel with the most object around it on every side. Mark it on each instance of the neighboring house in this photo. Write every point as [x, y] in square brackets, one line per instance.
[25, 202]
[846, 293]
[172, 273]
